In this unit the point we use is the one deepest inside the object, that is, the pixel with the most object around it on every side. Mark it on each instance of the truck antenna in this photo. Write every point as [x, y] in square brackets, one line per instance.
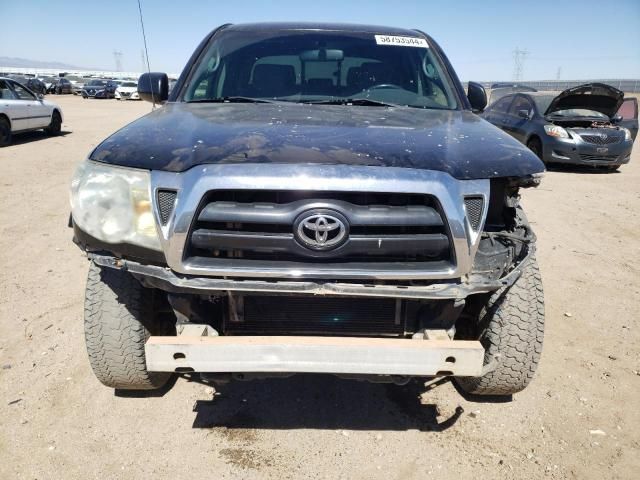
[146, 50]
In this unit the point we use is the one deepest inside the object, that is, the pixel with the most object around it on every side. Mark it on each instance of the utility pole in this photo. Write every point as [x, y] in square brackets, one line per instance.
[519, 56]
[559, 73]
[117, 55]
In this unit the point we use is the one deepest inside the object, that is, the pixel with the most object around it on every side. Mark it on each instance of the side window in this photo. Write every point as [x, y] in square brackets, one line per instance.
[5, 92]
[502, 105]
[520, 103]
[21, 93]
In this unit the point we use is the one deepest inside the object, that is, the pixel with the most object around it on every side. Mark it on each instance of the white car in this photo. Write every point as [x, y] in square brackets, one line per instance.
[127, 91]
[22, 110]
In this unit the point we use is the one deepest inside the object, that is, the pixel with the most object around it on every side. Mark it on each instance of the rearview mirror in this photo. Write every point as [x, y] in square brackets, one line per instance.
[154, 87]
[477, 96]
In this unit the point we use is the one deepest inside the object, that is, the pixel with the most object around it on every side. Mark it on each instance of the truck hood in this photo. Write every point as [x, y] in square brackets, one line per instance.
[179, 136]
[590, 96]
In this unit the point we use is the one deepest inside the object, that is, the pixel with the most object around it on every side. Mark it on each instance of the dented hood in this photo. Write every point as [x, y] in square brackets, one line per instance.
[180, 136]
[590, 96]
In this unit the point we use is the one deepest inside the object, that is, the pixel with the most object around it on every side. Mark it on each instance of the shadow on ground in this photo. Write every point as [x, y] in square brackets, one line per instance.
[37, 135]
[321, 402]
[584, 169]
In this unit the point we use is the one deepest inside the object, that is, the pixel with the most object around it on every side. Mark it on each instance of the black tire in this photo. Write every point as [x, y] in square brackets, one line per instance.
[5, 132]
[59, 91]
[119, 316]
[511, 329]
[535, 145]
[55, 125]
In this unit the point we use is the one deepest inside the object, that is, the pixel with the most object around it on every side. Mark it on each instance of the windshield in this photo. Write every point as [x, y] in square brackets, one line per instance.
[306, 66]
[97, 83]
[128, 84]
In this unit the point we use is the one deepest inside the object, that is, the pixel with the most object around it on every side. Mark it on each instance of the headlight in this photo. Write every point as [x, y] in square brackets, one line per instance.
[556, 131]
[627, 134]
[113, 204]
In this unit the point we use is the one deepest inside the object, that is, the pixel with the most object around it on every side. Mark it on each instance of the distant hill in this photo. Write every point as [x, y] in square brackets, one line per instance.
[27, 63]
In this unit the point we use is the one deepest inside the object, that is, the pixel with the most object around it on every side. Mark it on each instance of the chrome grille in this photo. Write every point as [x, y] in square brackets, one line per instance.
[260, 225]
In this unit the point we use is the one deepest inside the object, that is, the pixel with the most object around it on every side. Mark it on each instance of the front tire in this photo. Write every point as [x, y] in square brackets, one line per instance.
[511, 329]
[5, 132]
[55, 126]
[535, 145]
[119, 316]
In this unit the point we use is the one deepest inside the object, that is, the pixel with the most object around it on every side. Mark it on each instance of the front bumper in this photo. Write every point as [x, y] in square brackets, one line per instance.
[336, 355]
[577, 152]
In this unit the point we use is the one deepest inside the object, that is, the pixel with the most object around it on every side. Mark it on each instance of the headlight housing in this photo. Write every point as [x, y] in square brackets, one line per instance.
[113, 204]
[556, 131]
[627, 134]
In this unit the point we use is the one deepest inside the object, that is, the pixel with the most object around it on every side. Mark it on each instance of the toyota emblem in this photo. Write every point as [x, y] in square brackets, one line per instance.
[321, 230]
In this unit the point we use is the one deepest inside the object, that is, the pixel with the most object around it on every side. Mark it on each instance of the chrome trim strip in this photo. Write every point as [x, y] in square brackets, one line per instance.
[193, 184]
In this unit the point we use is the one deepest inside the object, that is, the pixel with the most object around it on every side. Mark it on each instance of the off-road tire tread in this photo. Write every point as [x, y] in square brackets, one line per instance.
[116, 309]
[513, 332]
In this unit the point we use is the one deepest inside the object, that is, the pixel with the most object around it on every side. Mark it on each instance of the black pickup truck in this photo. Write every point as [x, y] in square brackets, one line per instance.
[316, 198]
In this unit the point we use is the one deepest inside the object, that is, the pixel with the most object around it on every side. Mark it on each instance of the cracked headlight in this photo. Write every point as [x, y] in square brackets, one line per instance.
[113, 204]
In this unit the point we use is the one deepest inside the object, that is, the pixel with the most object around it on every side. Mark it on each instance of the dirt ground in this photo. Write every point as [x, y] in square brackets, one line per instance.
[579, 419]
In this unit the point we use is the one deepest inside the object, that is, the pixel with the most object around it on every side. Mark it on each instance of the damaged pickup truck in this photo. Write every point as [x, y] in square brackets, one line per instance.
[311, 198]
[591, 124]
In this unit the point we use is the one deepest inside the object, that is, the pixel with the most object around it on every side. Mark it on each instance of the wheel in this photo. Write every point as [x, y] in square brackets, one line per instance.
[535, 146]
[119, 316]
[59, 91]
[511, 329]
[5, 132]
[55, 125]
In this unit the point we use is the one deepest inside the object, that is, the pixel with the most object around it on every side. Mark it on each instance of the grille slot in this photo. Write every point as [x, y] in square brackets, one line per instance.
[473, 206]
[319, 315]
[587, 157]
[166, 202]
[260, 226]
[600, 140]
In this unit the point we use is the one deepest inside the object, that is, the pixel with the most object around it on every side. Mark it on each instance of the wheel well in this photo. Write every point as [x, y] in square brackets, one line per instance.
[533, 137]
[3, 116]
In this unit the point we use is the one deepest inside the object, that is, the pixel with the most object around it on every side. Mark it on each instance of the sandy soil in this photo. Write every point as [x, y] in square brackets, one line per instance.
[57, 421]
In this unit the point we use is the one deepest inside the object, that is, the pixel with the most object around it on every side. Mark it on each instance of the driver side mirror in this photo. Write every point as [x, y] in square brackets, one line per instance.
[154, 87]
[477, 96]
[616, 118]
[523, 114]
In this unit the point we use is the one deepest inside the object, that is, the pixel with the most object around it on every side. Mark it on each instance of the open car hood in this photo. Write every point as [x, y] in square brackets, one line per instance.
[590, 96]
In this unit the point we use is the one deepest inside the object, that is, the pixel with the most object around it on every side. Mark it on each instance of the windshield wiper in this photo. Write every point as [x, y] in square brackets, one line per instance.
[234, 99]
[364, 102]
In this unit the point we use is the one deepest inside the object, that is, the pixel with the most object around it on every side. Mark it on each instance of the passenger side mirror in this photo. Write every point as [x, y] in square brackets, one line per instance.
[616, 118]
[477, 96]
[154, 87]
[523, 114]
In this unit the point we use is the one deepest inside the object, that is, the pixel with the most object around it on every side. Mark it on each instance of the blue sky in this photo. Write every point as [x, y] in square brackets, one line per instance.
[586, 39]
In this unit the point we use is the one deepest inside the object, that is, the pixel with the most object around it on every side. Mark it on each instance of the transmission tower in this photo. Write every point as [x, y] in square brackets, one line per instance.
[143, 60]
[117, 55]
[519, 56]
